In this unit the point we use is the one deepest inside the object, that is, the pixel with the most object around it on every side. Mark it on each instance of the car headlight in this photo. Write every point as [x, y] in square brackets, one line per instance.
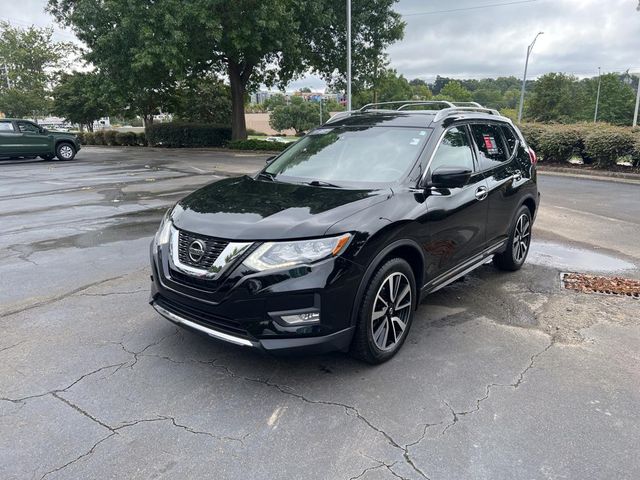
[163, 235]
[271, 255]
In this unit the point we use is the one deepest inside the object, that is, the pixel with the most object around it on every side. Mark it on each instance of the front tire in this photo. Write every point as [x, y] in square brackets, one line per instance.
[65, 151]
[386, 312]
[518, 244]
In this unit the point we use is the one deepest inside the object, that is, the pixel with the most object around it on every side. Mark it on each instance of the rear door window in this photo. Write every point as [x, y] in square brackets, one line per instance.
[491, 146]
[6, 127]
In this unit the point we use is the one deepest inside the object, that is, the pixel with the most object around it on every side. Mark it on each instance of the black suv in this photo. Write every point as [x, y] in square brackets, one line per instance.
[334, 243]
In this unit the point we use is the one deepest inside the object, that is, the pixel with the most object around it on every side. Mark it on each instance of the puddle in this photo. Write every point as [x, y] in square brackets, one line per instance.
[562, 257]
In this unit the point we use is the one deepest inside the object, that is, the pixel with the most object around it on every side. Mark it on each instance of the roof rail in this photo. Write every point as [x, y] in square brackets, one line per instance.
[405, 103]
[467, 104]
[445, 112]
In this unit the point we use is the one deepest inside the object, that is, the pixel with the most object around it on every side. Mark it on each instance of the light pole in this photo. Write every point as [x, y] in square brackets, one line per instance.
[524, 79]
[635, 115]
[595, 115]
[348, 55]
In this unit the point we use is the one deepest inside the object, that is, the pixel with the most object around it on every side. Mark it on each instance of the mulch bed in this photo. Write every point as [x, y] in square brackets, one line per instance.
[608, 285]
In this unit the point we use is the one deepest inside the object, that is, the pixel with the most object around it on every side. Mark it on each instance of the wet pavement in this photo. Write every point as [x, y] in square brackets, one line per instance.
[503, 376]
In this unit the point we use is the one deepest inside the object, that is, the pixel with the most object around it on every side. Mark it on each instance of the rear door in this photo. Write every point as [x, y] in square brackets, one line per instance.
[9, 138]
[32, 139]
[454, 226]
[497, 158]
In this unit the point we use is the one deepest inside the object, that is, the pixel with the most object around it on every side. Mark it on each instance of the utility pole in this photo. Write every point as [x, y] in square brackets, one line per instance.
[348, 55]
[524, 78]
[595, 116]
[321, 110]
[635, 115]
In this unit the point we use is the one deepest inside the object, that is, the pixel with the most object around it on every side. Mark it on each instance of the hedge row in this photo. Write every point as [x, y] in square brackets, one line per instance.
[599, 145]
[178, 134]
[253, 144]
[114, 138]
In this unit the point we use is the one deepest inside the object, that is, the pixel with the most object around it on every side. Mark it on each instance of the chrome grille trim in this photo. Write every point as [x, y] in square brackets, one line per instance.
[211, 270]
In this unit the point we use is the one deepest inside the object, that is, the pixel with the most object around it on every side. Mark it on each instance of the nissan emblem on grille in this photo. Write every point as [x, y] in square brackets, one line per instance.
[196, 251]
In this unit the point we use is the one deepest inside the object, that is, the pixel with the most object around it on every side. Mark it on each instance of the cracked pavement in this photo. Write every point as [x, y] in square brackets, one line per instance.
[503, 376]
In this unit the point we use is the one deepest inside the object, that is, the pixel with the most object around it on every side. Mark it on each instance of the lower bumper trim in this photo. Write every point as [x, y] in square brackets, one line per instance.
[209, 331]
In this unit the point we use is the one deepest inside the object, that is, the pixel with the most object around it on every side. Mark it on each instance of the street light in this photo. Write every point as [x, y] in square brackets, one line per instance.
[348, 55]
[595, 115]
[524, 79]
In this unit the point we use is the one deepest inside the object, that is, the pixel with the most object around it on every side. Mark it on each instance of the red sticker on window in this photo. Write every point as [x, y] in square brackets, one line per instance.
[490, 144]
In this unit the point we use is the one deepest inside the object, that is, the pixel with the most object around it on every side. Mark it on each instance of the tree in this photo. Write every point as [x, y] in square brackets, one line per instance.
[146, 48]
[276, 100]
[617, 99]
[455, 92]
[80, 98]
[299, 115]
[388, 87]
[29, 62]
[204, 99]
[138, 47]
[553, 98]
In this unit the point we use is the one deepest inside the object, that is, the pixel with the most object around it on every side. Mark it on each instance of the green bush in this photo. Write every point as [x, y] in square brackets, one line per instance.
[88, 138]
[606, 144]
[127, 139]
[98, 137]
[635, 154]
[110, 137]
[80, 136]
[141, 139]
[178, 134]
[257, 145]
[532, 133]
[559, 143]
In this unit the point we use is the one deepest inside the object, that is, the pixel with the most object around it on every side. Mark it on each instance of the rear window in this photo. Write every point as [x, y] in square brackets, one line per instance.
[6, 127]
[491, 147]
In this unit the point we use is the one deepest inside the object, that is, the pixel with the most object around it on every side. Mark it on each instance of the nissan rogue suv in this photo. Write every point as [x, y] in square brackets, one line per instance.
[335, 242]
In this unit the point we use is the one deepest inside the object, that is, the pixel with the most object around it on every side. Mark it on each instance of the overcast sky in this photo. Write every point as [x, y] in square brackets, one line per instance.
[481, 38]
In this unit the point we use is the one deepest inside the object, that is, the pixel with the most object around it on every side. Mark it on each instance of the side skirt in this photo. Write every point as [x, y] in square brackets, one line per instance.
[461, 270]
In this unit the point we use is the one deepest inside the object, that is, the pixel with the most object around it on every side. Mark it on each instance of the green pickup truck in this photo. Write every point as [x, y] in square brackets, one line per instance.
[22, 138]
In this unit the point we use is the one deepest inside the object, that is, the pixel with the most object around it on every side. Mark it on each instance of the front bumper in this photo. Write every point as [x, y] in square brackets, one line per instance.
[244, 308]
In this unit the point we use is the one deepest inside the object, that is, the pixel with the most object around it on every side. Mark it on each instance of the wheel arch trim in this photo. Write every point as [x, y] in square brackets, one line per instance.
[375, 263]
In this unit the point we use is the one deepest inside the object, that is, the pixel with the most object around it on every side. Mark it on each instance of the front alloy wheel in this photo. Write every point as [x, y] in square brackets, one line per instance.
[386, 312]
[65, 151]
[391, 311]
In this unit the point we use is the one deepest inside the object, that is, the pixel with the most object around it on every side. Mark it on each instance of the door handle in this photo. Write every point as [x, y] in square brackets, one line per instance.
[481, 193]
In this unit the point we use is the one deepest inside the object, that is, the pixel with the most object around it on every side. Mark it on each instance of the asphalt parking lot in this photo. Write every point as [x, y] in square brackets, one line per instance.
[504, 376]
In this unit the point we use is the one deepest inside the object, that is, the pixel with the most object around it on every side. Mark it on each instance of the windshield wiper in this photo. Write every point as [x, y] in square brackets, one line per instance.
[321, 183]
[268, 176]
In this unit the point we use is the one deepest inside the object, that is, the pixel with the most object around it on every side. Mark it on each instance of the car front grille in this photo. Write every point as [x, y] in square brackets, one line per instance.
[212, 248]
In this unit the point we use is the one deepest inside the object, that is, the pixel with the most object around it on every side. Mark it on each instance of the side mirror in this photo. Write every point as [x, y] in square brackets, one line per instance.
[450, 177]
[270, 159]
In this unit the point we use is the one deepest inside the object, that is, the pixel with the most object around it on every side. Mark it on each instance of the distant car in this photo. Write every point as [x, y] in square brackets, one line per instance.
[22, 138]
[276, 139]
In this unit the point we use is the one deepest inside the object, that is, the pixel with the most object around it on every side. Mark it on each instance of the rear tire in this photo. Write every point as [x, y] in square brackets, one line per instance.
[518, 244]
[386, 312]
[65, 151]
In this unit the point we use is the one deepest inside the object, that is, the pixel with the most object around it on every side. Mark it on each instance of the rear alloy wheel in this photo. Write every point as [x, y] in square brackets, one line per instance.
[65, 151]
[386, 312]
[519, 241]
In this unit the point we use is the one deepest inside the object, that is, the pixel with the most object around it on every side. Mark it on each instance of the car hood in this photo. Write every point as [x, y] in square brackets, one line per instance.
[247, 209]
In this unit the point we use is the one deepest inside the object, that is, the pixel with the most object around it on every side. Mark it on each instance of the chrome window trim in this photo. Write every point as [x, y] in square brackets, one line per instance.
[433, 154]
[226, 258]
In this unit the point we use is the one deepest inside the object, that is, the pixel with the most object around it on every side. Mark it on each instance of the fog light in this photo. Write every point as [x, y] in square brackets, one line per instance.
[308, 317]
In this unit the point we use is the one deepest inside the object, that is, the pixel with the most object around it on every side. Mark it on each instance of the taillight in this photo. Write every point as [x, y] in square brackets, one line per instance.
[532, 156]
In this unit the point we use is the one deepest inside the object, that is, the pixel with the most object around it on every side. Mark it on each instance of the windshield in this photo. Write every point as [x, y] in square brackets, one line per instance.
[351, 155]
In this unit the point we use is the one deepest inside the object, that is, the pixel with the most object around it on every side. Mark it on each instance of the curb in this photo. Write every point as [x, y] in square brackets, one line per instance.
[616, 177]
